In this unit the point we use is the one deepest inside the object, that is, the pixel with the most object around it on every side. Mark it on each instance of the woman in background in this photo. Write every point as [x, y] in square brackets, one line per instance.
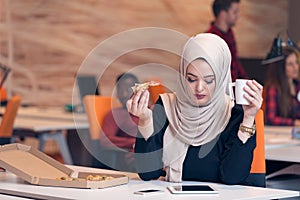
[282, 97]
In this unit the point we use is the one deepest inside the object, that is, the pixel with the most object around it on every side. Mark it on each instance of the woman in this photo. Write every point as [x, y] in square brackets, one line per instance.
[194, 134]
[282, 105]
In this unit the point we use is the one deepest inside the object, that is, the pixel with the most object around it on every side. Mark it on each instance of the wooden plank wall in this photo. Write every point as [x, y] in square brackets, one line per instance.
[46, 41]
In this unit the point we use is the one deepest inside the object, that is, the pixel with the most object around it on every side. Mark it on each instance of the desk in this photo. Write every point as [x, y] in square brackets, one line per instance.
[279, 136]
[55, 113]
[50, 123]
[47, 125]
[281, 147]
[10, 184]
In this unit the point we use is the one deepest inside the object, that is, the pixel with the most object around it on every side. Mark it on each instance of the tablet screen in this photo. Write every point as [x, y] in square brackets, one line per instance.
[192, 189]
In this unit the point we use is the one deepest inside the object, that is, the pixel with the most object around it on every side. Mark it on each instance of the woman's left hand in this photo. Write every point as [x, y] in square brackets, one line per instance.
[254, 96]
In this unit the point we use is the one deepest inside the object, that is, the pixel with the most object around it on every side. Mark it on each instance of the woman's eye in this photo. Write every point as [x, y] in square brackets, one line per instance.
[191, 80]
[209, 81]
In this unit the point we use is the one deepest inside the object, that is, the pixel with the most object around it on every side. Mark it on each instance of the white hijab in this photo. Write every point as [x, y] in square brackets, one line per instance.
[190, 124]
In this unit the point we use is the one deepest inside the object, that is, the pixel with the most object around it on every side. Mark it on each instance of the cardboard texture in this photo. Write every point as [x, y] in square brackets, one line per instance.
[37, 168]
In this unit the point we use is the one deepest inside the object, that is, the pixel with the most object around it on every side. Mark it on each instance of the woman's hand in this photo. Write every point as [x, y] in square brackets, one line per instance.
[138, 105]
[254, 96]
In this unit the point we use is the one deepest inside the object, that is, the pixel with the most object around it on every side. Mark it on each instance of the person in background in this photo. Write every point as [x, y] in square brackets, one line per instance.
[119, 126]
[119, 130]
[226, 14]
[282, 87]
[198, 133]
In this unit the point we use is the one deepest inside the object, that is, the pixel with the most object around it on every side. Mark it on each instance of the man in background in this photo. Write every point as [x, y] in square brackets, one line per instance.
[120, 128]
[226, 14]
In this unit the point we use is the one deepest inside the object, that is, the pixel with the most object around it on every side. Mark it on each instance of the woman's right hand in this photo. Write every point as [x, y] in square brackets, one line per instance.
[138, 105]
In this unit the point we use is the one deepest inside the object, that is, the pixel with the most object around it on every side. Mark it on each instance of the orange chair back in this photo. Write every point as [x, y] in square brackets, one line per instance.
[259, 163]
[3, 94]
[96, 108]
[8, 119]
[155, 91]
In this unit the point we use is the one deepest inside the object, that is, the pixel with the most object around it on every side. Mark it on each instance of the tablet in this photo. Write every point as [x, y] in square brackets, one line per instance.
[192, 189]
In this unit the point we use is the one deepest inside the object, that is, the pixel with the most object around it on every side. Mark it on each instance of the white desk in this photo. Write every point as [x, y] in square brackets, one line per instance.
[281, 147]
[55, 113]
[10, 184]
[278, 129]
[279, 144]
[49, 123]
[278, 137]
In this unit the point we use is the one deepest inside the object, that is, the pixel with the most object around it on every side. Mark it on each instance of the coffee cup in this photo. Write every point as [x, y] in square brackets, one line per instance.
[239, 85]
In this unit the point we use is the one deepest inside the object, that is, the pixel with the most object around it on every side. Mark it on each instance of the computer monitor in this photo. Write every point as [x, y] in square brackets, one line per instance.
[4, 73]
[87, 85]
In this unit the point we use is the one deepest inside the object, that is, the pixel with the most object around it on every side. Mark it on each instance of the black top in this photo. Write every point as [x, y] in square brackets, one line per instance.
[227, 159]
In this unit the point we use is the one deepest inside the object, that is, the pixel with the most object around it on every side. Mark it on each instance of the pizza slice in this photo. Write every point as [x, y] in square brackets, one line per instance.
[144, 86]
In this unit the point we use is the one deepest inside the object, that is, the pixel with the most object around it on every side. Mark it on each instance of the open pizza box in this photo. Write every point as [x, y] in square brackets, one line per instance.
[37, 168]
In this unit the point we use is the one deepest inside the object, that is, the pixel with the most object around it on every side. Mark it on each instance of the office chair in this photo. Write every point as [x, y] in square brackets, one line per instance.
[155, 91]
[257, 175]
[7, 122]
[96, 108]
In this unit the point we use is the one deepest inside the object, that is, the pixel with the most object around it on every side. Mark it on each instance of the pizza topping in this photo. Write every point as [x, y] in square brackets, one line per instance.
[66, 178]
[98, 178]
[88, 178]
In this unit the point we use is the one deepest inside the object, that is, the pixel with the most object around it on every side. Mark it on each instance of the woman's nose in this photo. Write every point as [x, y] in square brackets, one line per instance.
[199, 86]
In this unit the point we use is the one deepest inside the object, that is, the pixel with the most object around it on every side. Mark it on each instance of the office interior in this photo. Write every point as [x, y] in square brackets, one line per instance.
[48, 43]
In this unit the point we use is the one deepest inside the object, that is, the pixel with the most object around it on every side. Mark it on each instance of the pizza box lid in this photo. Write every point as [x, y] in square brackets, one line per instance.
[38, 168]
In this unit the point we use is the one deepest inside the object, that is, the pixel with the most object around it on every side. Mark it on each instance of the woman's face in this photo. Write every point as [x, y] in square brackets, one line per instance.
[292, 66]
[201, 79]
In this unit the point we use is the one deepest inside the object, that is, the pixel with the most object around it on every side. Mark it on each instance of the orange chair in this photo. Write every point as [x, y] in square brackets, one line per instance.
[96, 108]
[257, 175]
[155, 91]
[8, 119]
[3, 94]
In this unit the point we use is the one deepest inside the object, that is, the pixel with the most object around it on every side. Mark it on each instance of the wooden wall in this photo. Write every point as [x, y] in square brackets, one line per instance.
[47, 42]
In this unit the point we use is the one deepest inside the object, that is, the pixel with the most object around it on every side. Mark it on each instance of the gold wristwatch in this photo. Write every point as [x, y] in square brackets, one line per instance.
[249, 130]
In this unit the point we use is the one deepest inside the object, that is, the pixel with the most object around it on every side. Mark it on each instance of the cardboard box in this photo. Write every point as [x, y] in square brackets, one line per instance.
[37, 168]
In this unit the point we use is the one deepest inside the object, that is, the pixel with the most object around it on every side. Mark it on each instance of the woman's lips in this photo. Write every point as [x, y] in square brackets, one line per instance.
[199, 96]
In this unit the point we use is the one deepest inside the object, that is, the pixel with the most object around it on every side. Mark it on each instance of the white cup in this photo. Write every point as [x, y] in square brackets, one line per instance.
[239, 85]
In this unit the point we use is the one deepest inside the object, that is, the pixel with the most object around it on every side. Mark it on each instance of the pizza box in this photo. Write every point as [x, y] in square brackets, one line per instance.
[38, 168]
